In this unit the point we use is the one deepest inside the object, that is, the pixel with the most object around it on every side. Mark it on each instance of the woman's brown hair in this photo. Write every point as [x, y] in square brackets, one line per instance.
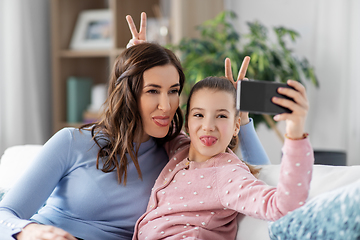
[218, 84]
[120, 126]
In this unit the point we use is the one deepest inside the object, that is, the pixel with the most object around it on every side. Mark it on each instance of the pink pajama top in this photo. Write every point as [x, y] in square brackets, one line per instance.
[192, 200]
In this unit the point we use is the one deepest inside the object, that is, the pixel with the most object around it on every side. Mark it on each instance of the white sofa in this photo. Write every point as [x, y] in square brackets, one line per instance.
[325, 178]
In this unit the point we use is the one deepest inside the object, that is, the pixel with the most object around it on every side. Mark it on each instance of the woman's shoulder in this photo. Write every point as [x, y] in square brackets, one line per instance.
[73, 136]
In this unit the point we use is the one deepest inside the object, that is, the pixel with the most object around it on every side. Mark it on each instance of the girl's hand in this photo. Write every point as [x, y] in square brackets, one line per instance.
[241, 76]
[43, 232]
[137, 37]
[295, 121]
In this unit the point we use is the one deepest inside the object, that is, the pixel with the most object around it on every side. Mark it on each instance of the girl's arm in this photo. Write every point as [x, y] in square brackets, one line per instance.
[239, 190]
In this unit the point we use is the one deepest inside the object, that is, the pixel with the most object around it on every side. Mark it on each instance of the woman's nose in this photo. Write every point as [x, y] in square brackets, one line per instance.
[164, 103]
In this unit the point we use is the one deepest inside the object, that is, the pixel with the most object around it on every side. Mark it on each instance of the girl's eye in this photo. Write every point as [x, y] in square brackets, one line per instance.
[198, 115]
[222, 116]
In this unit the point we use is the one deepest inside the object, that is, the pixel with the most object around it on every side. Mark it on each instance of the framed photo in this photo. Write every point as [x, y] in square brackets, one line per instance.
[92, 30]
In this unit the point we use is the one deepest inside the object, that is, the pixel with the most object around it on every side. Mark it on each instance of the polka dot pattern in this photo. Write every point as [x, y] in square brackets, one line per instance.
[191, 198]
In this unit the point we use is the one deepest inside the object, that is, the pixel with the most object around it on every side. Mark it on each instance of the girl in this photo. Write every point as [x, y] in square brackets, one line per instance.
[204, 185]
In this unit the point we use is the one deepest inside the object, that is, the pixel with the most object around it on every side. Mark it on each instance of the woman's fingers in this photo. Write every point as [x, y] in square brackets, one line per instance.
[142, 32]
[141, 35]
[243, 68]
[228, 71]
[43, 232]
[59, 233]
[137, 37]
[132, 27]
[242, 71]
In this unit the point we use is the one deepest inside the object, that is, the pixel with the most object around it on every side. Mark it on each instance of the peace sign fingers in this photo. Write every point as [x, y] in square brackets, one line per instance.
[243, 68]
[137, 37]
[242, 71]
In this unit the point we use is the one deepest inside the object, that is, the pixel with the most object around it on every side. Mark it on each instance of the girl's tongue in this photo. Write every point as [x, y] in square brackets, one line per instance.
[208, 140]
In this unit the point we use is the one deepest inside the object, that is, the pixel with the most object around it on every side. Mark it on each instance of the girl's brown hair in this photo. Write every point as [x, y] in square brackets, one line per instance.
[218, 84]
[120, 125]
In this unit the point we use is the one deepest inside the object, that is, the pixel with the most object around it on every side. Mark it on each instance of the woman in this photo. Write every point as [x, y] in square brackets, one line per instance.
[96, 180]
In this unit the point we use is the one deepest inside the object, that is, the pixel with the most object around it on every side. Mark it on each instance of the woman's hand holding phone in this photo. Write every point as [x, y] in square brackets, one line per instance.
[295, 121]
[241, 76]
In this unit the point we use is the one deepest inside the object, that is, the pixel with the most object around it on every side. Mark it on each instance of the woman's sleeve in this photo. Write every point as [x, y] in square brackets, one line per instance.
[251, 148]
[34, 187]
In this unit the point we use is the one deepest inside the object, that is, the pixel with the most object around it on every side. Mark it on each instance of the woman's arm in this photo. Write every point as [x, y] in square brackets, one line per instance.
[251, 148]
[33, 189]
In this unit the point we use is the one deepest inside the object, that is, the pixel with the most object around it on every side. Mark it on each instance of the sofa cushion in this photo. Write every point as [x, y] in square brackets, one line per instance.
[13, 163]
[331, 215]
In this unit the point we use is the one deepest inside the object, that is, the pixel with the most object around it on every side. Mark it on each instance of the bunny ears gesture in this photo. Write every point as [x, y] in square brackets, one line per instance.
[137, 37]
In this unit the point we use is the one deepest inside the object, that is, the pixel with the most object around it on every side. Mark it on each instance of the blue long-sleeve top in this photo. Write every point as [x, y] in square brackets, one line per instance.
[83, 200]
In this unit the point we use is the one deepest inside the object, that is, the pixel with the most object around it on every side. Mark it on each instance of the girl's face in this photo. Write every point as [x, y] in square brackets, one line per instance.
[211, 123]
[159, 100]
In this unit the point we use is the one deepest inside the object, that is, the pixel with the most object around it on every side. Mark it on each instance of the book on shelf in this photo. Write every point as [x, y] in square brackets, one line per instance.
[78, 98]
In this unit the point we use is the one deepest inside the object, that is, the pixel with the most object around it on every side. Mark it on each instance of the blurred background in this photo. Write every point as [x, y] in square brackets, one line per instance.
[42, 60]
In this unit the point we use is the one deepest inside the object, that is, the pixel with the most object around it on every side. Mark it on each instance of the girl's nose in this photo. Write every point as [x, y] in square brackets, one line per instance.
[208, 125]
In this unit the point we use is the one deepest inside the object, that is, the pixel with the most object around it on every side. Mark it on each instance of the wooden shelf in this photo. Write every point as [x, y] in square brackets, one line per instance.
[97, 64]
[94, 64]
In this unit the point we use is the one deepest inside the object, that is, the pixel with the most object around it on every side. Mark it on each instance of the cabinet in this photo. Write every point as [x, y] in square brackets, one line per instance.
[97, 64]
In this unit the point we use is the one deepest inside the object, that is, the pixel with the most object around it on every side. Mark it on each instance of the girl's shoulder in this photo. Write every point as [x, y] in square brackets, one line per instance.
[228, 160]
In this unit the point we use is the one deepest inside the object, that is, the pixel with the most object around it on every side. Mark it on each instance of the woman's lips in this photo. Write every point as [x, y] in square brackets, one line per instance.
[161, 121]
[208, 140]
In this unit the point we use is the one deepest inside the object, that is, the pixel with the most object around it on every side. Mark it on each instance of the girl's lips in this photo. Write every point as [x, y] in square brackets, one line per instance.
[161, 121]
[208, 140]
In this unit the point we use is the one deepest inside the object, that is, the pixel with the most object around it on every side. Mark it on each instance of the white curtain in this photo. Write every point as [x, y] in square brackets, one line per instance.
[25, 83]
[330, 37]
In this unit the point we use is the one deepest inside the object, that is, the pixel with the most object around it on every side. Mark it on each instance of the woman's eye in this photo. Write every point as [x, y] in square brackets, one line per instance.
[174, 91]
[198, 115]
[152, 91]
[222, 116]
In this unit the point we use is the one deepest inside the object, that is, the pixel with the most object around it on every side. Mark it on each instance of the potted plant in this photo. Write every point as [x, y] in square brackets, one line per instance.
[270, 61]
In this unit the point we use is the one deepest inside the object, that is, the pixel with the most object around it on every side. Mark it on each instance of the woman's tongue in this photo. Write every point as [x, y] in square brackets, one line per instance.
[208, 140]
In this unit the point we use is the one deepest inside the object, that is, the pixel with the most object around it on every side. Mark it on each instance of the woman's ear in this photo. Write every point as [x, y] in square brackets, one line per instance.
[237, 125]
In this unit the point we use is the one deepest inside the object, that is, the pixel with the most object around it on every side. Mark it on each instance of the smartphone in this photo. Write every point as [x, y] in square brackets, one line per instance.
[255, 96]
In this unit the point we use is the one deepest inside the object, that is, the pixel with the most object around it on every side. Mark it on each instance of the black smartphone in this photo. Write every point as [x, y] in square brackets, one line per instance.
[255, 96]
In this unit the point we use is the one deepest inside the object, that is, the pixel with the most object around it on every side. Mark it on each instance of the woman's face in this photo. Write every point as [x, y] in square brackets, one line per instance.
[212, 122]
[159, 100]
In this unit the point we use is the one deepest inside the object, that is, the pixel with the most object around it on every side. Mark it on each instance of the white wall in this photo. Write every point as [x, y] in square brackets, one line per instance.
[325, 31]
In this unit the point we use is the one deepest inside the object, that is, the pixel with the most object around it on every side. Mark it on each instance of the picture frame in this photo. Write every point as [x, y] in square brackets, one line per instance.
[93, 30]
